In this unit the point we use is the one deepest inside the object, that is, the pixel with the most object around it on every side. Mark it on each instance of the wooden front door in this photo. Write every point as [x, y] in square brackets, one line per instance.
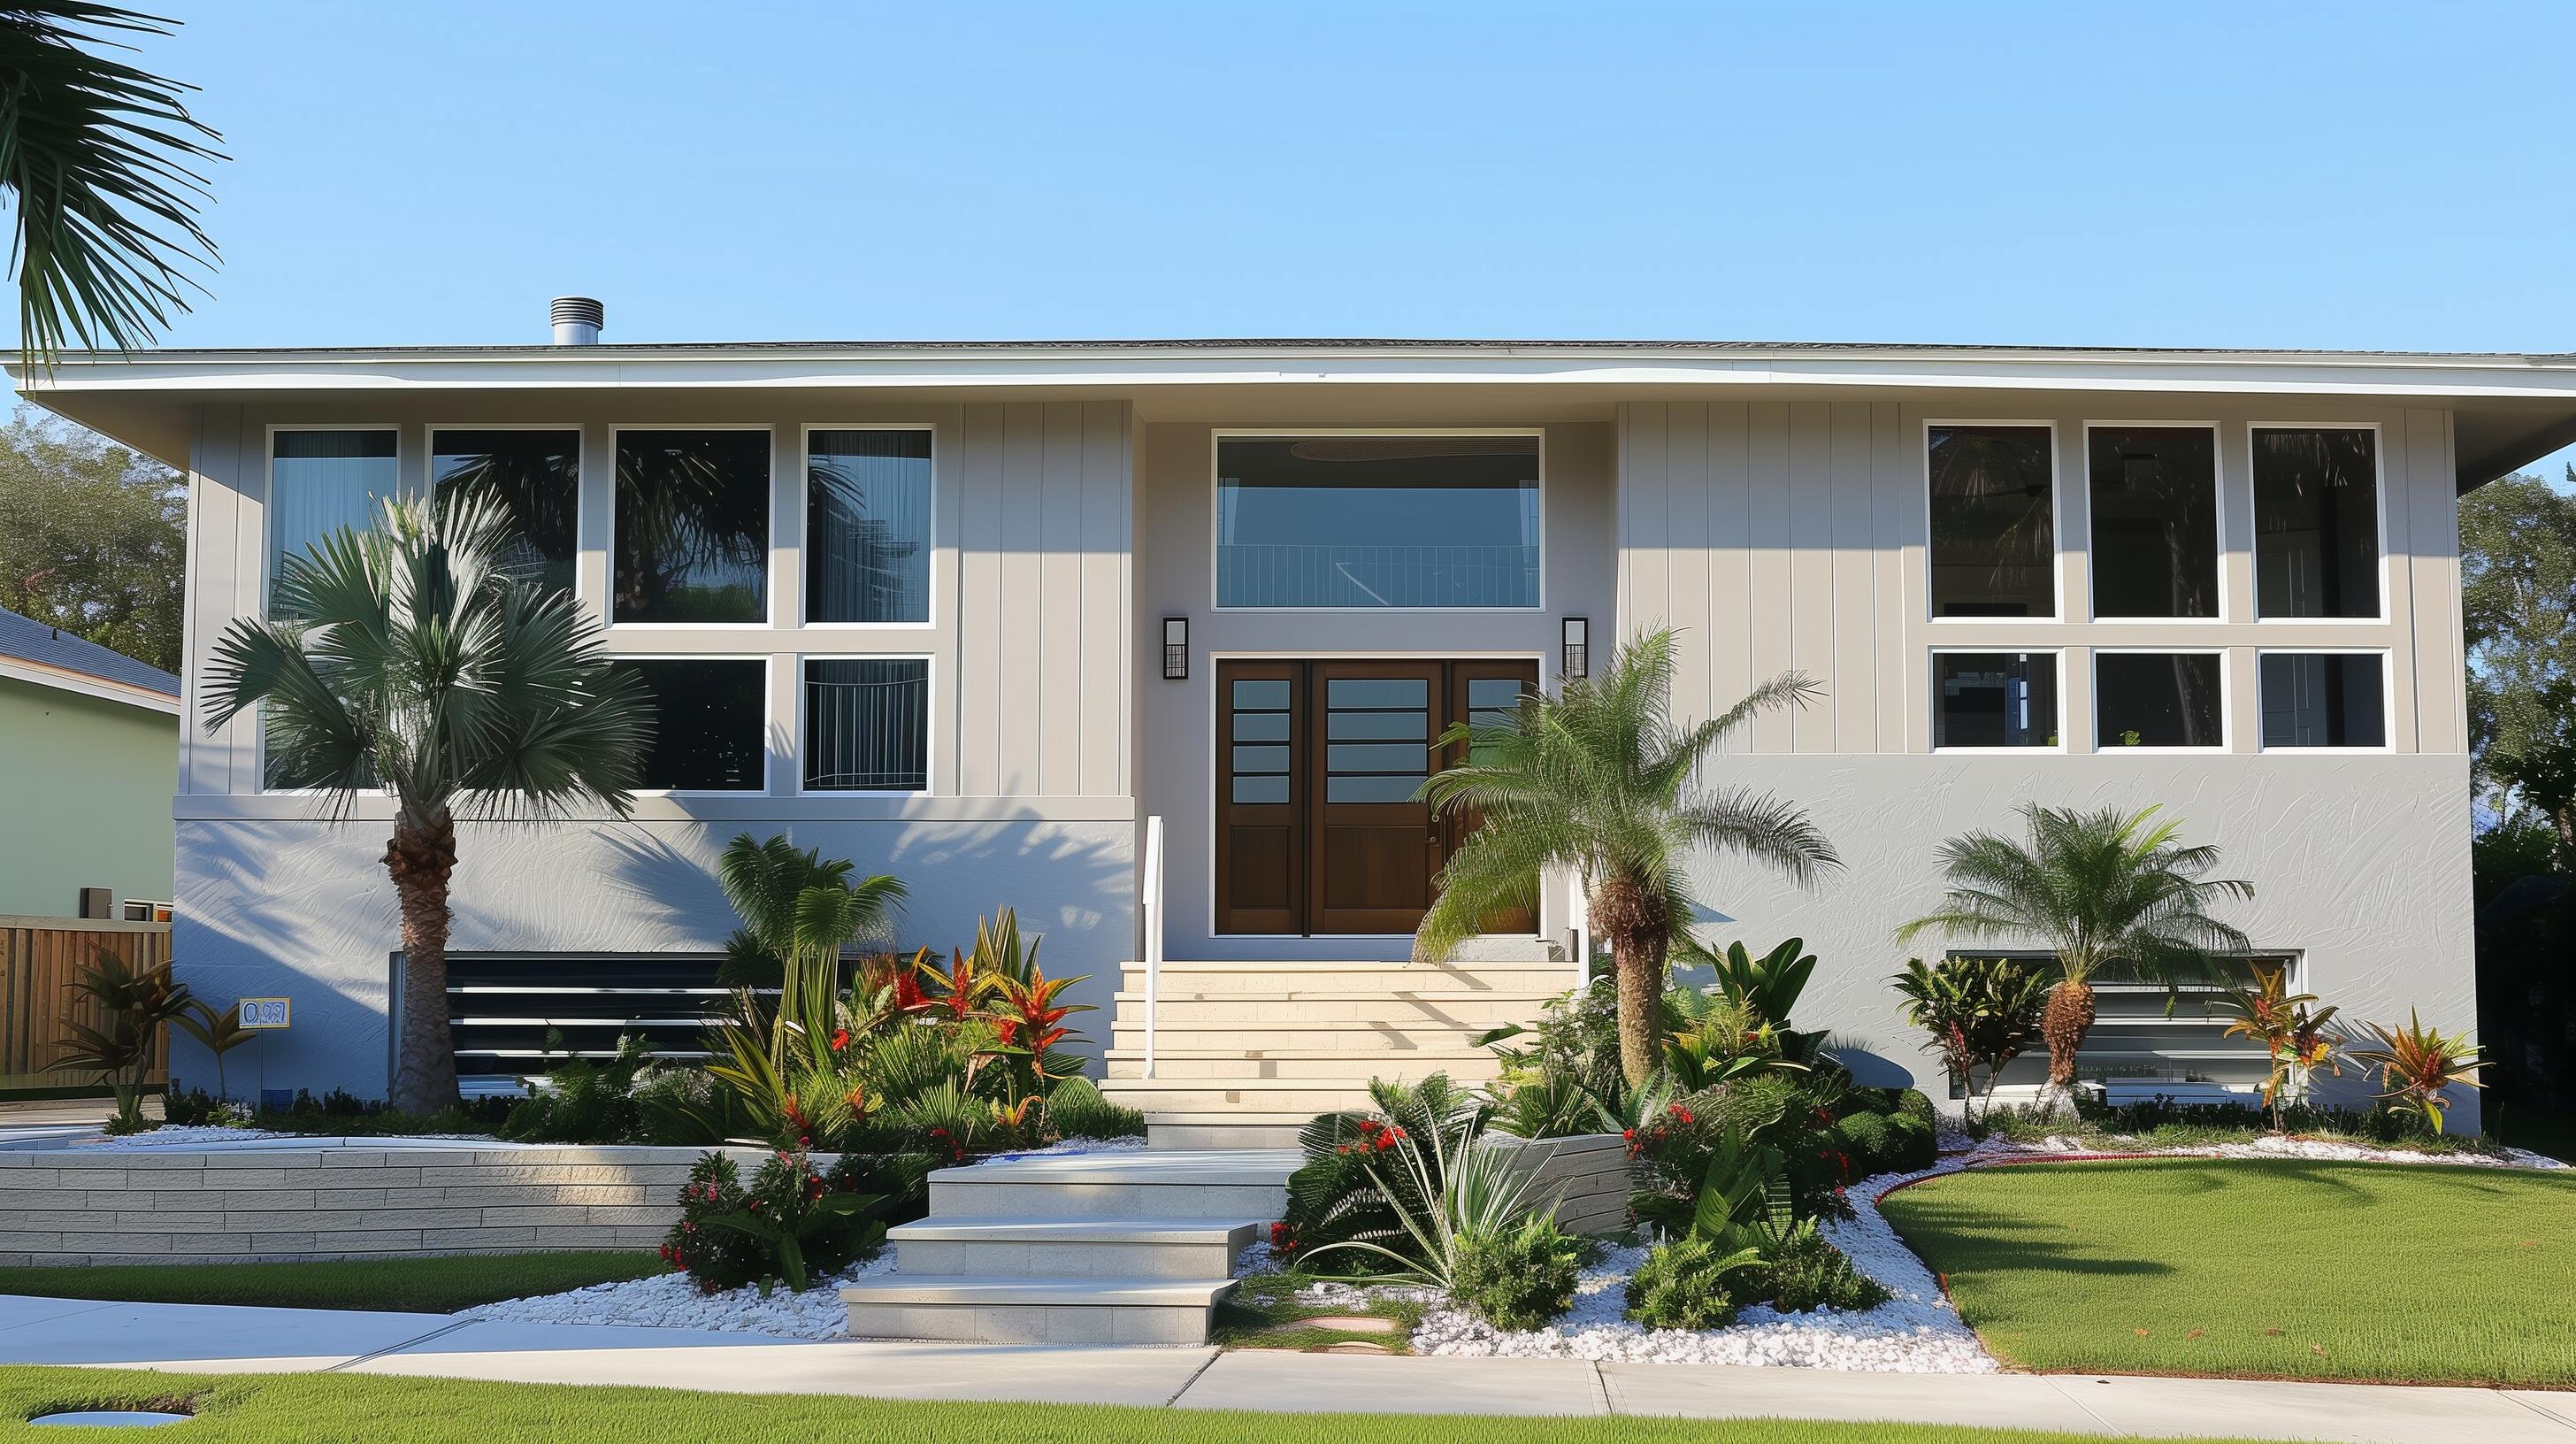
[1317, 766]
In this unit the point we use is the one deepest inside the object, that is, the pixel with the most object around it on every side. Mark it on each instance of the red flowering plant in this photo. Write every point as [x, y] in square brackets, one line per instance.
[1027, 1019]
[1361, 1180]
[1670, 1147]
[789, 1225]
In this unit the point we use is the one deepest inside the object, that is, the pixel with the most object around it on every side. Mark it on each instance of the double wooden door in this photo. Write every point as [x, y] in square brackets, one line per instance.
[1317, 764]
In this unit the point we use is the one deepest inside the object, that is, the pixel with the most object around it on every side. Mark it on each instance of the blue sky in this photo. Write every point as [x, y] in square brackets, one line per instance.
[2346, 175]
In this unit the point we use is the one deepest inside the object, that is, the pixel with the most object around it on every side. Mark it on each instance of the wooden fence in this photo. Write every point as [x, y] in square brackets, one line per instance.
[39, 957]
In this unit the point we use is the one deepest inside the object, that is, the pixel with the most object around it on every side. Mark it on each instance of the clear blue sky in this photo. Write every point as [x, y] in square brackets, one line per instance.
[2333, 175]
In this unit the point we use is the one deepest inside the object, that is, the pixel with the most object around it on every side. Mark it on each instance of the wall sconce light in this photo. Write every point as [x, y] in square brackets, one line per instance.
[1176, 649]
[1578, 647]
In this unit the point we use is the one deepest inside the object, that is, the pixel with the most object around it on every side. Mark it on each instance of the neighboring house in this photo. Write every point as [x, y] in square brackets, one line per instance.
[89, 755]
[975, 613]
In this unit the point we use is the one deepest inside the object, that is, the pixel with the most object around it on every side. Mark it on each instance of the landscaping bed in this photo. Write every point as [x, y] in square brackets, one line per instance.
[400, 1285]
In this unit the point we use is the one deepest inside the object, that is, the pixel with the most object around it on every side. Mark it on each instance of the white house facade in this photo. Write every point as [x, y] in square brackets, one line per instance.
[1079, 627]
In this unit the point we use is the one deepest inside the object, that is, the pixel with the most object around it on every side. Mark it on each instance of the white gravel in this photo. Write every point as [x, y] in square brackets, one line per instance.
[670, 1301]
[2274, 1145]
[174, 1137]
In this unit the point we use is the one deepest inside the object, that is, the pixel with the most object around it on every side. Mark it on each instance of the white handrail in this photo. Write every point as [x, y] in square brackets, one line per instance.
[1149, 905]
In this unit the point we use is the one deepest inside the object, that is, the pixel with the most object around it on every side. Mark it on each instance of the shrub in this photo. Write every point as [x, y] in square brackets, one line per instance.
[1869, 1141]
[1683, 1285]
[582, 1101]
[1805, 1272]
[1076, 1110]
[1516, 1278]
[1915, 1145]
[791, 1224]
[1915, 1103]
[1335, 1198]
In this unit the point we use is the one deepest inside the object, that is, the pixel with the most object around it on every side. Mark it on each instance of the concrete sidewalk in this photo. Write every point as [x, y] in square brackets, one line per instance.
[221, 1339]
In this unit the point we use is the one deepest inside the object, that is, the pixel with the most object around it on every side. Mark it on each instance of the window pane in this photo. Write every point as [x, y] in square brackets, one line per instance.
[2328, 699]
[867, 526]
[1994, 699]
[1375, 756]
[1362, 787]
[1272, 787]
[2156, 699]
[1261, 726]
[1994, 522]
[535, 475]
[692, 526]
[1378, 692]
[1364, 726]
[1260, 759]
[2155, 521]
[1378, 521]
[320, 482]
[2316, 523]
[867, 725]
[708, 723]
[1271, 694]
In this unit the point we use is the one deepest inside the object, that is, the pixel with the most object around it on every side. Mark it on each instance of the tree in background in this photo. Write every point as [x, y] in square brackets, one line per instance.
[92, 538]
[95, 157]
[2518, 603]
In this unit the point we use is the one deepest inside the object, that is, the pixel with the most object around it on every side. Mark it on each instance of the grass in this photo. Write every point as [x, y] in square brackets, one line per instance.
[346, 1408]
[400, 1285]
[2411, 1273]
[1264, 1311]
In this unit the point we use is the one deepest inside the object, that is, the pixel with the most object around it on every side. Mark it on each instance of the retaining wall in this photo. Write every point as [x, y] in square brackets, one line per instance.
[1588, 1173]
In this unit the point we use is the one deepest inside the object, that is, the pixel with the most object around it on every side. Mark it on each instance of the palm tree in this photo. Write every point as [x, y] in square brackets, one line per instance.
[798, 912]
[95, 155]
[403, 658]
[1601, 779]
[2094, 888]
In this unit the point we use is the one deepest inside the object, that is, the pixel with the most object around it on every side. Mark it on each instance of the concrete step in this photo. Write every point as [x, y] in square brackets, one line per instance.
[1308, 1096]
[1341, 1064]
[1539, 976]
[1232, 1129]
[1072, 1247]
[1369, 1008]
[999, 1310]
[1308, 1035]
[1222, 1184]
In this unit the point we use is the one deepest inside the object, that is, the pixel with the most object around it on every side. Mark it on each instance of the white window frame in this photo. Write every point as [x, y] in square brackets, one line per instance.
[2092, 521]
[268, 575]
[769, 544]
[429, 470]
[2056, 529]
[2387, 701]
[805, 527]
[1219, 436]
[767, 718]
[1932, 674]
[931, 717]
[2226, 703]
[2254, 503]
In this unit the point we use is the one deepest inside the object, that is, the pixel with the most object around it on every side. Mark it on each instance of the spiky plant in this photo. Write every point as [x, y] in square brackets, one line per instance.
[2294, 1034]
[2095, 888]
[2418, 1066]
[1603, 781]
[132, 1004]
[403, 658]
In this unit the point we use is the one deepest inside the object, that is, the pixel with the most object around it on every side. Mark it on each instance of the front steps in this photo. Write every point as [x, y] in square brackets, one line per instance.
[1246, 1053]
[1074, 1248]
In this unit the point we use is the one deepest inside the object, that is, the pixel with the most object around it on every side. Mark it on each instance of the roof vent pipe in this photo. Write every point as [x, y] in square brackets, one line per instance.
[577, 320]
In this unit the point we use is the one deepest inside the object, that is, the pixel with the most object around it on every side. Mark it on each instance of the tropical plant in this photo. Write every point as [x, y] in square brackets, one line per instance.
[1518, 1277]
[1600, 780]
[402, 658]
[1075, 1109]
[791, 1223]
[96, 156]
[1683, 1284]
[1451, 1193]
[1982, 1013]
[2294, 1035]
[133, 1004]
[1718, 1039]
[1337, 1197]
[1028, 1023]
[2096, 888]
[2418, 1066]
[1767, 987]
[218, 1031]
[1801, 1270]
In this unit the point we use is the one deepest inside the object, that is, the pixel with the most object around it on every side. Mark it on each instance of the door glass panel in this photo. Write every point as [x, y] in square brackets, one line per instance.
[1375, 726]
[1375, 757]
[1261, 759]
[1379, 692]
[1270, 694]
[1378, 730]
[1249, 788]
[1260, 726]
[1491, 701]
[1364, 787]
[1258, 767]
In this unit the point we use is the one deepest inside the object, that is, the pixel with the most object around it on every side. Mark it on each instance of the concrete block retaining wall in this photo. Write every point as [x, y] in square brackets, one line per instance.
[90, 1206]
[1588, 1173]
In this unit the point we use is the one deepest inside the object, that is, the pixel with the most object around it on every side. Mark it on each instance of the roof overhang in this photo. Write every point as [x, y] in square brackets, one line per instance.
[19, 669]
[2509, 409]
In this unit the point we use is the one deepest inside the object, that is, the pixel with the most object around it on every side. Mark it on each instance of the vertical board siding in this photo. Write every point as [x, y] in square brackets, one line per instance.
[39, 959]
[1811, 568]
[1853, 702]
[1766, 615]
[979, 601]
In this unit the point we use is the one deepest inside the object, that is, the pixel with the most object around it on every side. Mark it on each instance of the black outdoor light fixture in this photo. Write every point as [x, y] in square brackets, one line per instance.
[1578, 646]
[1176, 649]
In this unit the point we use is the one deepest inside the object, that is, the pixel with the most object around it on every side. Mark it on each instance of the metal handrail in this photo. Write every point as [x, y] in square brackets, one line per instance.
[1149, 906]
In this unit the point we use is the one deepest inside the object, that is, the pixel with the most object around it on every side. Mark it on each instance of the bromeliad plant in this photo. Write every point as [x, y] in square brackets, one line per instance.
[2418, 1066]
[2293, 1034]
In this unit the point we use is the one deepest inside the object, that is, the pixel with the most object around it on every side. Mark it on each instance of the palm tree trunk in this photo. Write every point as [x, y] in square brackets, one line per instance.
[420, 858]
[2069, 1016]
[1640, 940]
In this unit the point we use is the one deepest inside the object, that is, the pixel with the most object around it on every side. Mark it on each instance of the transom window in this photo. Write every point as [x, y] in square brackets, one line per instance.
[1375, 522]
[2154, 491]
[2316, 522]
[867, 526]
[1994, 521]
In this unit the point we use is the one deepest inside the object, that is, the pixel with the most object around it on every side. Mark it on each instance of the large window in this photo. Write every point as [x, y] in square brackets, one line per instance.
[2316, 522]
[535, 476]
[692, 526]
[2324, 699]
[710, 731]
[2158, 699]
[2155, 521]
[867, 526]
[1377, 521]
[1994, 521]
[867, 725]
[320, 482]
[1994, 699]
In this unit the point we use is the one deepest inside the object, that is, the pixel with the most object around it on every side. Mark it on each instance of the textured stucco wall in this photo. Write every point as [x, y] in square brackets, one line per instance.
[2360, 863]
[84, 799]
[303, 908]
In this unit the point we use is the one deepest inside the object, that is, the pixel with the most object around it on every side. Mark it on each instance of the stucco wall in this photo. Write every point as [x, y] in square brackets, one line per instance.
[84, 799]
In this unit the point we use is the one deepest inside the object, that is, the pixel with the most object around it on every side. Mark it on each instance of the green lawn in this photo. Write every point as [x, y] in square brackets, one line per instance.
[2414, 1273]
[400, 1285]
[1263, 1312]
[348, 1408]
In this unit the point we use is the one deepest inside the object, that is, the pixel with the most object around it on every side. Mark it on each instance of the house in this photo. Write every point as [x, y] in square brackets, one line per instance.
[89, 753]
[1086, 627]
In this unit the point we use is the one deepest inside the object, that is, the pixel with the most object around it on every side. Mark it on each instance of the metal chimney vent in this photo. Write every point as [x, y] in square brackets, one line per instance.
[577, 320]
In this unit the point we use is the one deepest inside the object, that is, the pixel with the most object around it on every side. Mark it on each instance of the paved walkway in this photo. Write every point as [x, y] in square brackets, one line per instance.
[222, 1339]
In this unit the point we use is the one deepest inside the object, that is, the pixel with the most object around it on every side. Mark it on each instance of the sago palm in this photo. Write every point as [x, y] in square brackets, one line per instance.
[2094, 888]
[1603, 781]
[402, 658]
